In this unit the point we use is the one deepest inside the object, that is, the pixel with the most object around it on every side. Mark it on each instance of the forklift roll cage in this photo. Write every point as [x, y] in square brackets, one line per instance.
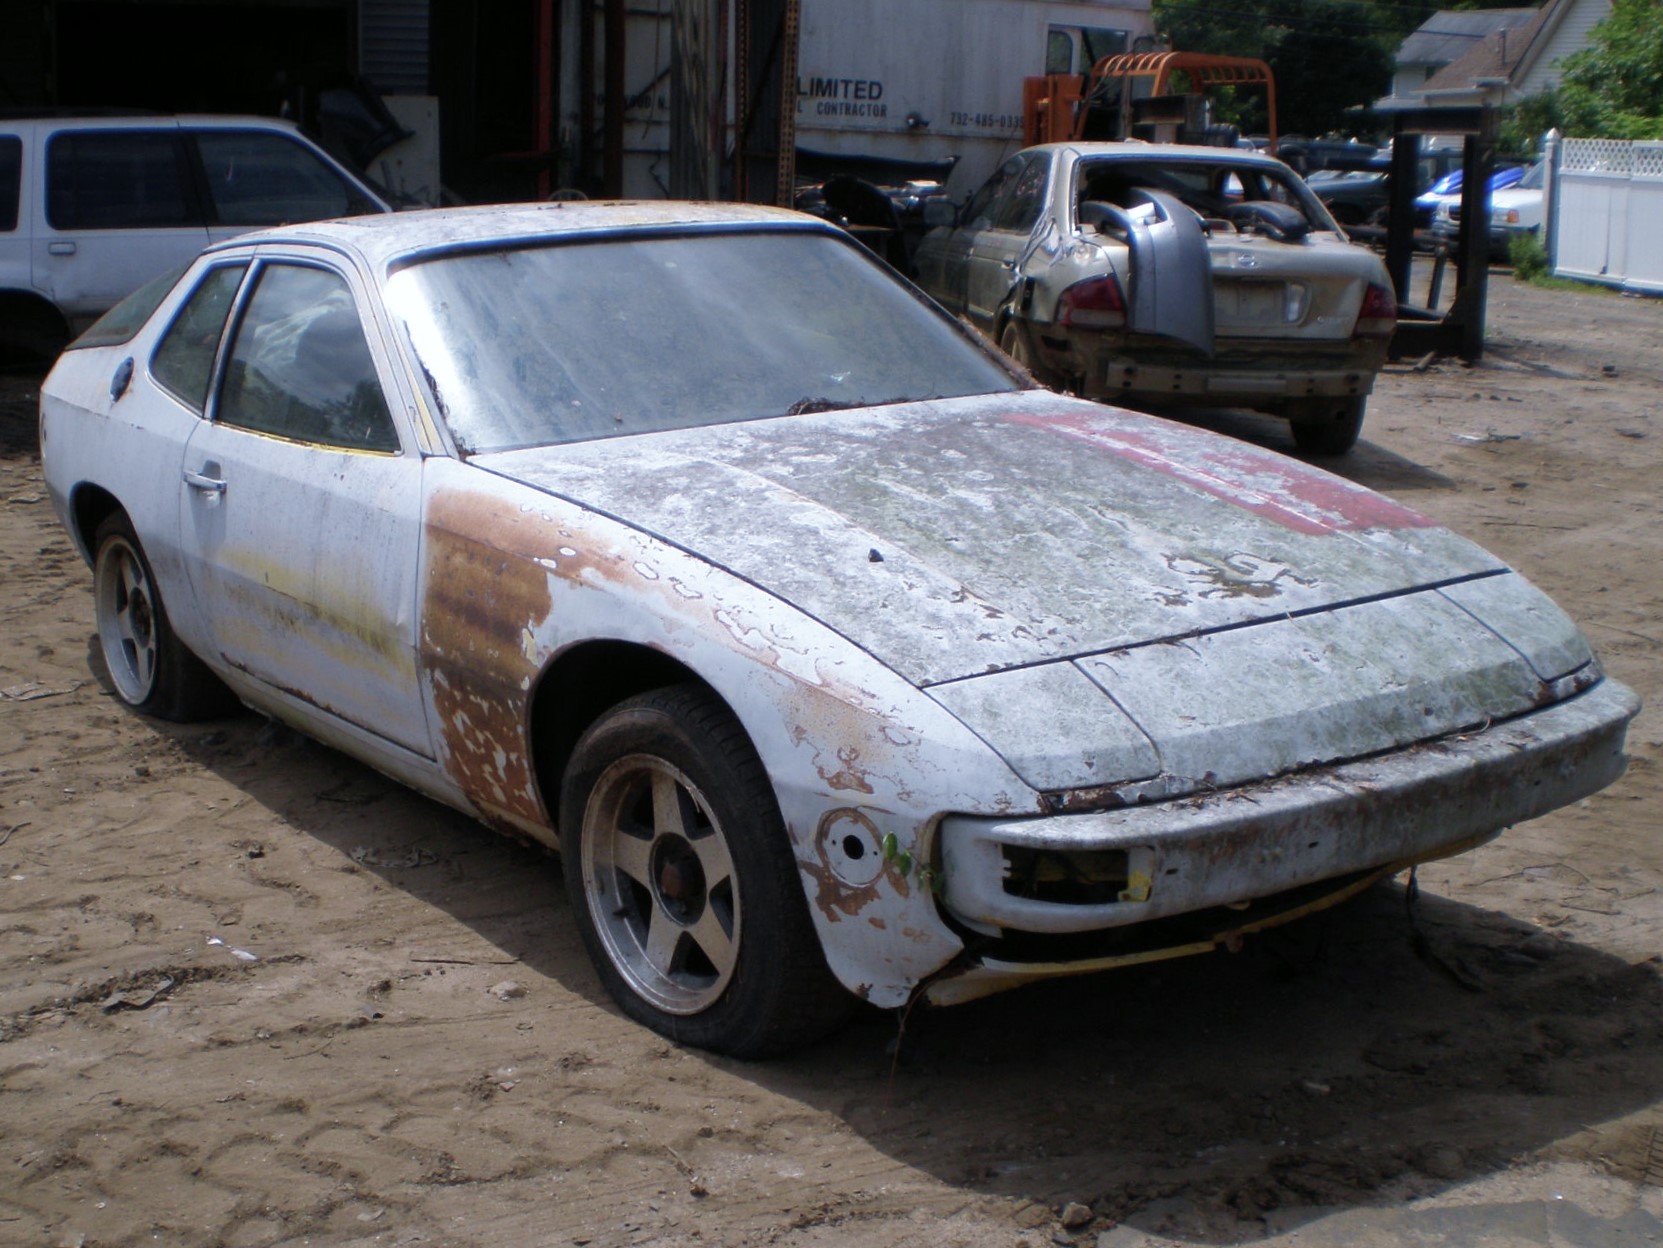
[1056, 106]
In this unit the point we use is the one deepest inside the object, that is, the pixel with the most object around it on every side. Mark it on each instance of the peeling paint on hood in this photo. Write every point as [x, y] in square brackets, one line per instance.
[958, 537]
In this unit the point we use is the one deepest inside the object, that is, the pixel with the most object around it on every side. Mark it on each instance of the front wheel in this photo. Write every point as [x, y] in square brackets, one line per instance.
[151, 669]
[682, 880]
[1326, 426]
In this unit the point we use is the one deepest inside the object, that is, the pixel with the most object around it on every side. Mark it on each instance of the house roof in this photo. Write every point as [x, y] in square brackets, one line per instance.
[1498, 54]
[1450, 34]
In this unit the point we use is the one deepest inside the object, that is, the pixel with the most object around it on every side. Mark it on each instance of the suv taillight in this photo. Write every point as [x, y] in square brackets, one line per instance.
[1095, 303]
[1378, 316]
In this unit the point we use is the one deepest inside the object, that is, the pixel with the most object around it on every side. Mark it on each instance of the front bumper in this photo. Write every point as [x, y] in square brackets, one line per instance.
[1339, 823]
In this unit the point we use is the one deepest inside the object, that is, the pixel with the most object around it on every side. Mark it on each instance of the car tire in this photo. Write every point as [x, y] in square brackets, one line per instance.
[1326, 426]
[31, 335]
[1013, 341]
[681, 877]
[151, 669]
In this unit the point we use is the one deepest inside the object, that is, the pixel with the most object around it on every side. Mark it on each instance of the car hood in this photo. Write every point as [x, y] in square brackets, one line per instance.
[1111, 601]
[1515, 197]
[960, 537]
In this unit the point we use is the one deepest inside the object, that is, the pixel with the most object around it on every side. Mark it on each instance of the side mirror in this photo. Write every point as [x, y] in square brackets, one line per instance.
[940, 212]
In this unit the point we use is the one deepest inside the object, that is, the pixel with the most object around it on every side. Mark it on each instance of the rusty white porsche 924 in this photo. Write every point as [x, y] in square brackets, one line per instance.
[835, 657]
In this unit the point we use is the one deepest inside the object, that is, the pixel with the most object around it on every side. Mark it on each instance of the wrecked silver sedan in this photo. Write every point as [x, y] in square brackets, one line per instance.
[836, 659]
[1169, 275]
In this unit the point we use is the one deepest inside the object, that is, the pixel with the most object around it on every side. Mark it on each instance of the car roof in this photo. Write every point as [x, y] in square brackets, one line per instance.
[1161, 151]
[384, 239]
[94, 120]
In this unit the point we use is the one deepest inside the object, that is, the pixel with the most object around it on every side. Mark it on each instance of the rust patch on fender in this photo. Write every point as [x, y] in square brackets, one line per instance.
[849, 777]
[832, 897]
[482, 599]
[835, 897]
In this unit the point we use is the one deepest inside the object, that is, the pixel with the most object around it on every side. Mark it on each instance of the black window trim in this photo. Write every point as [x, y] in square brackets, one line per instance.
[246, 263]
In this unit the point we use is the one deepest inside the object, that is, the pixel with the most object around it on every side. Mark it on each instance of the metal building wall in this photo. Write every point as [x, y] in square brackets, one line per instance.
[733, 132]
[392, 43]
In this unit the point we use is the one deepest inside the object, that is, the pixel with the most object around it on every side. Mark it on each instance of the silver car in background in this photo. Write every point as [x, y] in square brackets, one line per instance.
[1167, 275]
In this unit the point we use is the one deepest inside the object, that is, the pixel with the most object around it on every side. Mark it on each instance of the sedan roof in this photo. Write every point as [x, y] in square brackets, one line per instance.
[385, 239]
[1162, 151]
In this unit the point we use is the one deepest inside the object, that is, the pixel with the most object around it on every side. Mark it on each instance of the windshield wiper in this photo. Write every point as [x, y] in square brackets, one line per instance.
[804, 406]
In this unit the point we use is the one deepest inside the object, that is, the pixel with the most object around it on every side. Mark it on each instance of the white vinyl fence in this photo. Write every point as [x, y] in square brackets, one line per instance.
[1606, 203]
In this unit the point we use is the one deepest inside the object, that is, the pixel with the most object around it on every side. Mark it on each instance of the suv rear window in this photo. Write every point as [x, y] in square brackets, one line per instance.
[118, 179]
[11, 179]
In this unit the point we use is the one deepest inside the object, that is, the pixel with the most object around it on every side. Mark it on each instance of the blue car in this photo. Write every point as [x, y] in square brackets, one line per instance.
[1447, 189]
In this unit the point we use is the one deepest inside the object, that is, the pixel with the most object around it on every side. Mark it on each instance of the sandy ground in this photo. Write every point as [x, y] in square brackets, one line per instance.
[253, 994]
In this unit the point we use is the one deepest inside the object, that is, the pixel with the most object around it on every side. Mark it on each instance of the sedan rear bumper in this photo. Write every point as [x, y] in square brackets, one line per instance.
[1081, 873]
[1126, 379]
[1244, 372]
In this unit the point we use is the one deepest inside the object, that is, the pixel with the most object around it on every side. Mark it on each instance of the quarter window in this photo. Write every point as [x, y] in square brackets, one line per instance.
[300, 367]
[185, 359]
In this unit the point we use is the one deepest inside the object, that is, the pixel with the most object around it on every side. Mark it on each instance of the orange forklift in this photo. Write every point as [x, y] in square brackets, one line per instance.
[1134, 95]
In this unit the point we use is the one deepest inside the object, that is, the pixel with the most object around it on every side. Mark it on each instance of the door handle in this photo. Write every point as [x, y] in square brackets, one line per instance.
[208, 485]
[60, 249]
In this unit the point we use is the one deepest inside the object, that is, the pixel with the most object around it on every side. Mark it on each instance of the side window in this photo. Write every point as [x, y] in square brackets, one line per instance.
[979, 212]
[269, 179]
[1059, 51]
[1021, 208]
[11, 180]
[185, 357]
[1096, 42]
[116, 180]
[300, 367]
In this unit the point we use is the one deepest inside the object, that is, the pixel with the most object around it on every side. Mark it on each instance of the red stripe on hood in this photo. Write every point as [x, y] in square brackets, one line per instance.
[1282, 490]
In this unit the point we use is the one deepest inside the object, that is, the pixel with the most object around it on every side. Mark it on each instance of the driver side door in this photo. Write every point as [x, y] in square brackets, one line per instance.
[300, 508]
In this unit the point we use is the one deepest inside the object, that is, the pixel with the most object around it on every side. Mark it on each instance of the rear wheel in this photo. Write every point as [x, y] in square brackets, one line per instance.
[682, 880]
[151, 669]
[1013, 341]
[1326, 426]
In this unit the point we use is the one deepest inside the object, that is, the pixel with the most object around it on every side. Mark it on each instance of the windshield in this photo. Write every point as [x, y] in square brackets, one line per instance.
[601, 338]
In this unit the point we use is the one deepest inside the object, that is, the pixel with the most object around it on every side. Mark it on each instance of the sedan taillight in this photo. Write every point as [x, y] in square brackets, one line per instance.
[1378, 316]
[1095, 303]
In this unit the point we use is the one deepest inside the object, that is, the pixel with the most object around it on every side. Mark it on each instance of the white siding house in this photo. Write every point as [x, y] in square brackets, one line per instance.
[1509, 63]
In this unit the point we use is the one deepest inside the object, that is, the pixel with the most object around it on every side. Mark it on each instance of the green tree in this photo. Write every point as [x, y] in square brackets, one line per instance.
[1613, 89]
[1328, 56]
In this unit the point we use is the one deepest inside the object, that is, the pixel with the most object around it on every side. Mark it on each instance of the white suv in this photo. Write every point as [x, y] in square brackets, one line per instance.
[91, 208]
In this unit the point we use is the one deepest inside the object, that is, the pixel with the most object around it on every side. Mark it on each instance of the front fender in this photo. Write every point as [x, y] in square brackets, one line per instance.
[513, 577]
